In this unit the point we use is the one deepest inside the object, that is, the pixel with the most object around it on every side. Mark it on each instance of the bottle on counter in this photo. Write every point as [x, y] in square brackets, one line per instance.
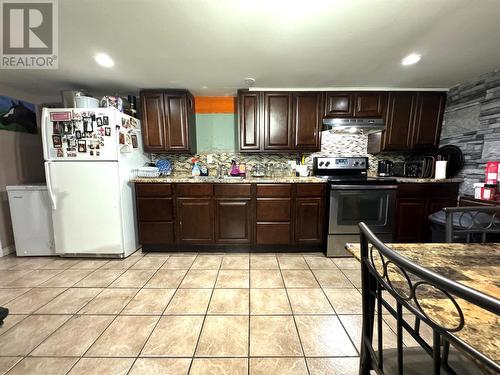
[235, 171]
[195, 171]
[243, 169]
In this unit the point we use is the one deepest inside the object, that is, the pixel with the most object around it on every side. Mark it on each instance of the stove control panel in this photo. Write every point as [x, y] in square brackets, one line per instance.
[326, 163]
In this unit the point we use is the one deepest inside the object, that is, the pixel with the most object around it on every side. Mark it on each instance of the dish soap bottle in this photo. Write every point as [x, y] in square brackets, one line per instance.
[235, 171]
[195, 171]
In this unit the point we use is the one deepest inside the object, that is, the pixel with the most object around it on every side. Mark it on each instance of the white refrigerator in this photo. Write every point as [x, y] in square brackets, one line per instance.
[89, 157]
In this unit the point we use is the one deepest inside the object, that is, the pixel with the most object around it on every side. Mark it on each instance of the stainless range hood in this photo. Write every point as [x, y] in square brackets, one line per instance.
[354, 125]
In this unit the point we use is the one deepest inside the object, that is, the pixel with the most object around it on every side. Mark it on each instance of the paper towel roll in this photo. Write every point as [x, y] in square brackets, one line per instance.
[440, 170]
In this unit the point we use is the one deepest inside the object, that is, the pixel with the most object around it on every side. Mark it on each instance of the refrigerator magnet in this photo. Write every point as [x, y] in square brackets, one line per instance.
[60, 153]
[107, 131]
[98, 121]
[82, 146]
[56, 141]
[56, 127]
[78, 134]
[134, 141]
[88, 127]
[121, 139]
[105, 120]
[68, 127]
[91, 152]
[71, 152]
[71, 142]
[60, 116]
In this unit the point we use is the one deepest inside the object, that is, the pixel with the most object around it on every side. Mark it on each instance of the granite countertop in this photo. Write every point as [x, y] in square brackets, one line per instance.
[229, 180]
[474, 265]
[410, 180]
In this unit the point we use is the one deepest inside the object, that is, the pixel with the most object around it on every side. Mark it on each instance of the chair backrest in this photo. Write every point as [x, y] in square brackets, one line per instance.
[473, 221]
[386, 273]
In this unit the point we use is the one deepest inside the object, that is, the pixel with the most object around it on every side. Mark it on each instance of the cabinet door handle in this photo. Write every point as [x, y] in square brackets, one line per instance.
[190, 102]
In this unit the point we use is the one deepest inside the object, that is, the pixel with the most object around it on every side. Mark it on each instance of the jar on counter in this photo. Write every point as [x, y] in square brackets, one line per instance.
[488, 192]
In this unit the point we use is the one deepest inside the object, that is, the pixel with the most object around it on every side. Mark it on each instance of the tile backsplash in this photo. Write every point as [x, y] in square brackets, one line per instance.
[332, 144]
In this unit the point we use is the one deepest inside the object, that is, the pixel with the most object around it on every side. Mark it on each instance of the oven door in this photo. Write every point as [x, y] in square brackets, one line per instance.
[372, 204]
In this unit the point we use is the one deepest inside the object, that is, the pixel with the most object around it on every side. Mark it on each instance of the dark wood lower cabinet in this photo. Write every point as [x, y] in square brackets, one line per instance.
[195, 220]
[309, 219]
[246, 216]
[233, 221]
[414, 204]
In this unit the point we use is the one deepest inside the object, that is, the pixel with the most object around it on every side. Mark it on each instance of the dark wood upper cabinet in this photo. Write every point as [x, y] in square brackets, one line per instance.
[168, 121]
[399, 121]
[278, 129]
[307, 120]
[339, 104]
[249, 120]
[369, 104]
[153, 116]
[428, 120]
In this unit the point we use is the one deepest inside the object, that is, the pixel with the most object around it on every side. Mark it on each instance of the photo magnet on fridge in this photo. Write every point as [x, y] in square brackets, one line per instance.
[71, 142]
[107, 131]
[88, 127]
[78, 134]
[60, 153]
[67, 127]
[121, 139]
[56, 127]
[82, 146]
[56, 141]
[99, 121]
[105, 120]
[134, 141]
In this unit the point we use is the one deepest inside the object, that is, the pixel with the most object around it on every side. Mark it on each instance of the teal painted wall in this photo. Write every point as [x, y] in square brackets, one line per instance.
[216, 132]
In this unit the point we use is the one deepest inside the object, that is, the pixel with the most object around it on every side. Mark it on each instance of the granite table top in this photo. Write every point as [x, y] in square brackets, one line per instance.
[474, 265]
[230, 180]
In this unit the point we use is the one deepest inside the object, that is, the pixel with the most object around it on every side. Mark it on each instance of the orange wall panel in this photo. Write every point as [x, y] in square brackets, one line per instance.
[215, 104]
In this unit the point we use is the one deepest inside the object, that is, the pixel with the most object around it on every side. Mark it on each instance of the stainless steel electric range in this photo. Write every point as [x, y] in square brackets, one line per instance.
[355, 197]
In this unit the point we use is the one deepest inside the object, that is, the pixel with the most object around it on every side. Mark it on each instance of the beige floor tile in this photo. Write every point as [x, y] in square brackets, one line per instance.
[207, 262]
[8, 276]
[332, 279]
[133, 279]
[149, 302]
[99, 279]
[66, 278]
[309, 301]
[353, 325]
[26, 335]
[98, 366]
[292, 263]
[320, 263]
[166, 279]
[278, 366]
[179, 262]
[269, 302]
[70, 301]
[89, 264]
[299, 279]
[9, 261]
[347, 263]
[58, 264]
[33, 263]
[235, 262]
[323, 336]
[263, 263]
[199, 279]
[10, 322]
[266, 279]
[161, 366]
[150, 263]
[273, 336]
[120, 264]
[224, 336]
[337, 366]
[6, 363]
[345, 301]
[219, 366]
[174, 336]
[233, 279]
[74, 337]
[125, 337]
[52, 366]
[33, 300]
[32, 279]
[354, 277]
[189, 301]
[7, 295]
[229, 301]
[110, 301]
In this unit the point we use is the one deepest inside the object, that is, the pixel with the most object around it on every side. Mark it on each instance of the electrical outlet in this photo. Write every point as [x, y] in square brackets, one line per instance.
[210, 158]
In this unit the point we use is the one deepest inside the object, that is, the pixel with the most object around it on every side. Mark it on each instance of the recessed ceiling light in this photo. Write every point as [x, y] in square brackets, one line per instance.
[104, 60]
[411, 59]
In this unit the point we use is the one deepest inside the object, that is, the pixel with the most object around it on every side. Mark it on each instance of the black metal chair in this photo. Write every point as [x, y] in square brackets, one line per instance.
[384, 271]
[475, 222]
[3, 314]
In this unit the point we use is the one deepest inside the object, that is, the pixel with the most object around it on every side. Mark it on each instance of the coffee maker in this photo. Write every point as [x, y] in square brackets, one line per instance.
[384, 168]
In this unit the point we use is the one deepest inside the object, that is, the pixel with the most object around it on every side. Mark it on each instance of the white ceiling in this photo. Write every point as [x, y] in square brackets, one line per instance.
[210, 46]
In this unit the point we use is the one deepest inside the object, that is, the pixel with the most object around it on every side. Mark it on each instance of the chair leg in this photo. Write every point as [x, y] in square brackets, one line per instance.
[3, 314]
